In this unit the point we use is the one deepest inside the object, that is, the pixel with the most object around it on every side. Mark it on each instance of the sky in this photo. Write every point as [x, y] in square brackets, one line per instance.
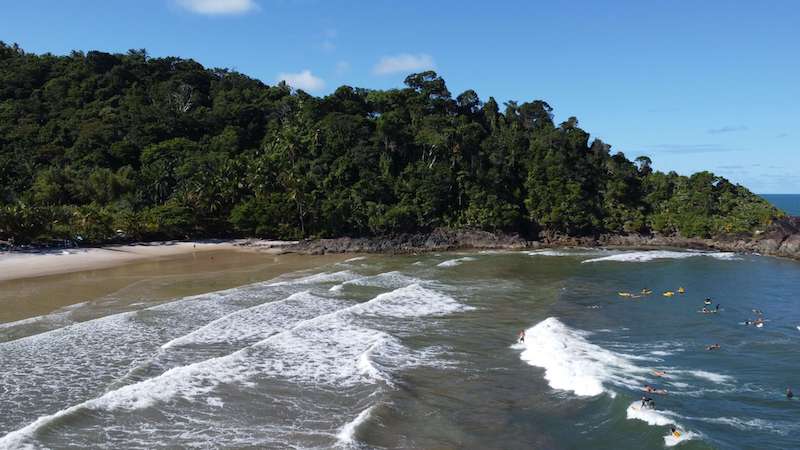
[694, 85]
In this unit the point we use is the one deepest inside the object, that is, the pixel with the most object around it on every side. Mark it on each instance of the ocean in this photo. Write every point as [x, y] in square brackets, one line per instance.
[789, 203]
[422, 352]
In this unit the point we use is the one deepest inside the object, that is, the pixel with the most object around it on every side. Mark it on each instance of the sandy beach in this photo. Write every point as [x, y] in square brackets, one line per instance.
[33, 284]
[16, 265]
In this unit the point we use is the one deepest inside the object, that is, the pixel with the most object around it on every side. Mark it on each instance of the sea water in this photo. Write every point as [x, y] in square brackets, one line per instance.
[421, 352]
[789, 203]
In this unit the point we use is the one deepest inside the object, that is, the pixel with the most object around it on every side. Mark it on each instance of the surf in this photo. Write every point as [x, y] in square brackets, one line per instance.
[301, 353]
[572, 363]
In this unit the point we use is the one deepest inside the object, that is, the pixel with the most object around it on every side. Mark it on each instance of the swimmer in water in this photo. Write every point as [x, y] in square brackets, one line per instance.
[521, 336]
[789, 393]
[707, 301]
[653, 390]
[713, 347]
[717, 308]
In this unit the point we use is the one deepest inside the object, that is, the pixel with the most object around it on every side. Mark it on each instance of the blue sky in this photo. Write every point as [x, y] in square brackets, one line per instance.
[693, 84]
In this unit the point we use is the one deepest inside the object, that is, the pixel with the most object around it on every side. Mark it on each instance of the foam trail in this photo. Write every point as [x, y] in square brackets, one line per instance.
[710, 376]
[318, 278]
[660, 418]
[257, 322]
[324, 350]
[391, 279]
[650, 416]
[554, 252]
[572, 363]
[357, 258]
[652, 255]
[347, 435]
[455, 262]
[671, 441]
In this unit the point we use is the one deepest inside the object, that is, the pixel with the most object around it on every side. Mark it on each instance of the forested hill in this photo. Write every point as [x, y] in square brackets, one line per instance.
[112, 146]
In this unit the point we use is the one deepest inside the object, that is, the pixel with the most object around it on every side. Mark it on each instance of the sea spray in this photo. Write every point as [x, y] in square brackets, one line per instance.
[572, 363]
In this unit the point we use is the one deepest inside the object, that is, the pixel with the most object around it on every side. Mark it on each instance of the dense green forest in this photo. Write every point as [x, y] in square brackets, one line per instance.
[101, 147]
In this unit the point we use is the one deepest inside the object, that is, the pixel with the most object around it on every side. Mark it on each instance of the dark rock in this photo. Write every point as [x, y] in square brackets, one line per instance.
[781, 238]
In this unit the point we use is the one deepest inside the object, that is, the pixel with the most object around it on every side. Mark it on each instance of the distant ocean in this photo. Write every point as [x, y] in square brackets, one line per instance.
[790, 203]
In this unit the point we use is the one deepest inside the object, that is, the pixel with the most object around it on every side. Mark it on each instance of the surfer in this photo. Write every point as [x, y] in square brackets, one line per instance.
[789, 393]
[712, 347]
[707, 302]
[521, 336]
[653, 390]
[659, 373]
[675, 432]
[648, 403]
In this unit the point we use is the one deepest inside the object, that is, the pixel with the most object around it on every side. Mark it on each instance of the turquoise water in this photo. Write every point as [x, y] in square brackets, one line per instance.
[420, 352]
[790, 203]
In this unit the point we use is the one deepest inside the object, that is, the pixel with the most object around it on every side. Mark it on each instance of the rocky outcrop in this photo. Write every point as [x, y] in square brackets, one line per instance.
[438, 240]
[782, 238]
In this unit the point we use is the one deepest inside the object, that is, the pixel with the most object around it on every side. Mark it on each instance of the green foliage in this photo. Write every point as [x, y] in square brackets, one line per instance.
[102, 147]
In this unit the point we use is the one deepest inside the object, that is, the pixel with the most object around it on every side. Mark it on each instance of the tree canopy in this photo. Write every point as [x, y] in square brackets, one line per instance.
[102, 147]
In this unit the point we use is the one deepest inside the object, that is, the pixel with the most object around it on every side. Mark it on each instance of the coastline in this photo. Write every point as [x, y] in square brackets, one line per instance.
[150, 279]
[16, 265]
[781, 239]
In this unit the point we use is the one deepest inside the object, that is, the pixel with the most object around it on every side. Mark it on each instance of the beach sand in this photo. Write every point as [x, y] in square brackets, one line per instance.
[115, 277]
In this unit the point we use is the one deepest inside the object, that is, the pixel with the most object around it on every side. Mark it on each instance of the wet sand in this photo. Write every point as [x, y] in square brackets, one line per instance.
[151, 280]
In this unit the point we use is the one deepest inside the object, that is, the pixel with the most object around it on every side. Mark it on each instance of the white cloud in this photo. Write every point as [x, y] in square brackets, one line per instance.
[304, 80]
[404, 63]
[342, 67]
[328, 45]
[218, 7]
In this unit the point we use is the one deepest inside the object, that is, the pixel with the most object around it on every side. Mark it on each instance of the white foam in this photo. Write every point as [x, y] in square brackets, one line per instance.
[671, 441]
[710, 376]
[754, 424]
[347, 435]
[318, 278]
[258, 322]
[357, 258]
[652, 255]
[650, 416]
[327, 350]
[565, 252]
[215, 402]
[573, 363]
[660, 418]
[660, 353]
[391, 279]
[455, 262]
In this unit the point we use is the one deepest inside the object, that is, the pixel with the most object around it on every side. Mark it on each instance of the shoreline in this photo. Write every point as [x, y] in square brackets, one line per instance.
[16, 265]
[781, 239]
